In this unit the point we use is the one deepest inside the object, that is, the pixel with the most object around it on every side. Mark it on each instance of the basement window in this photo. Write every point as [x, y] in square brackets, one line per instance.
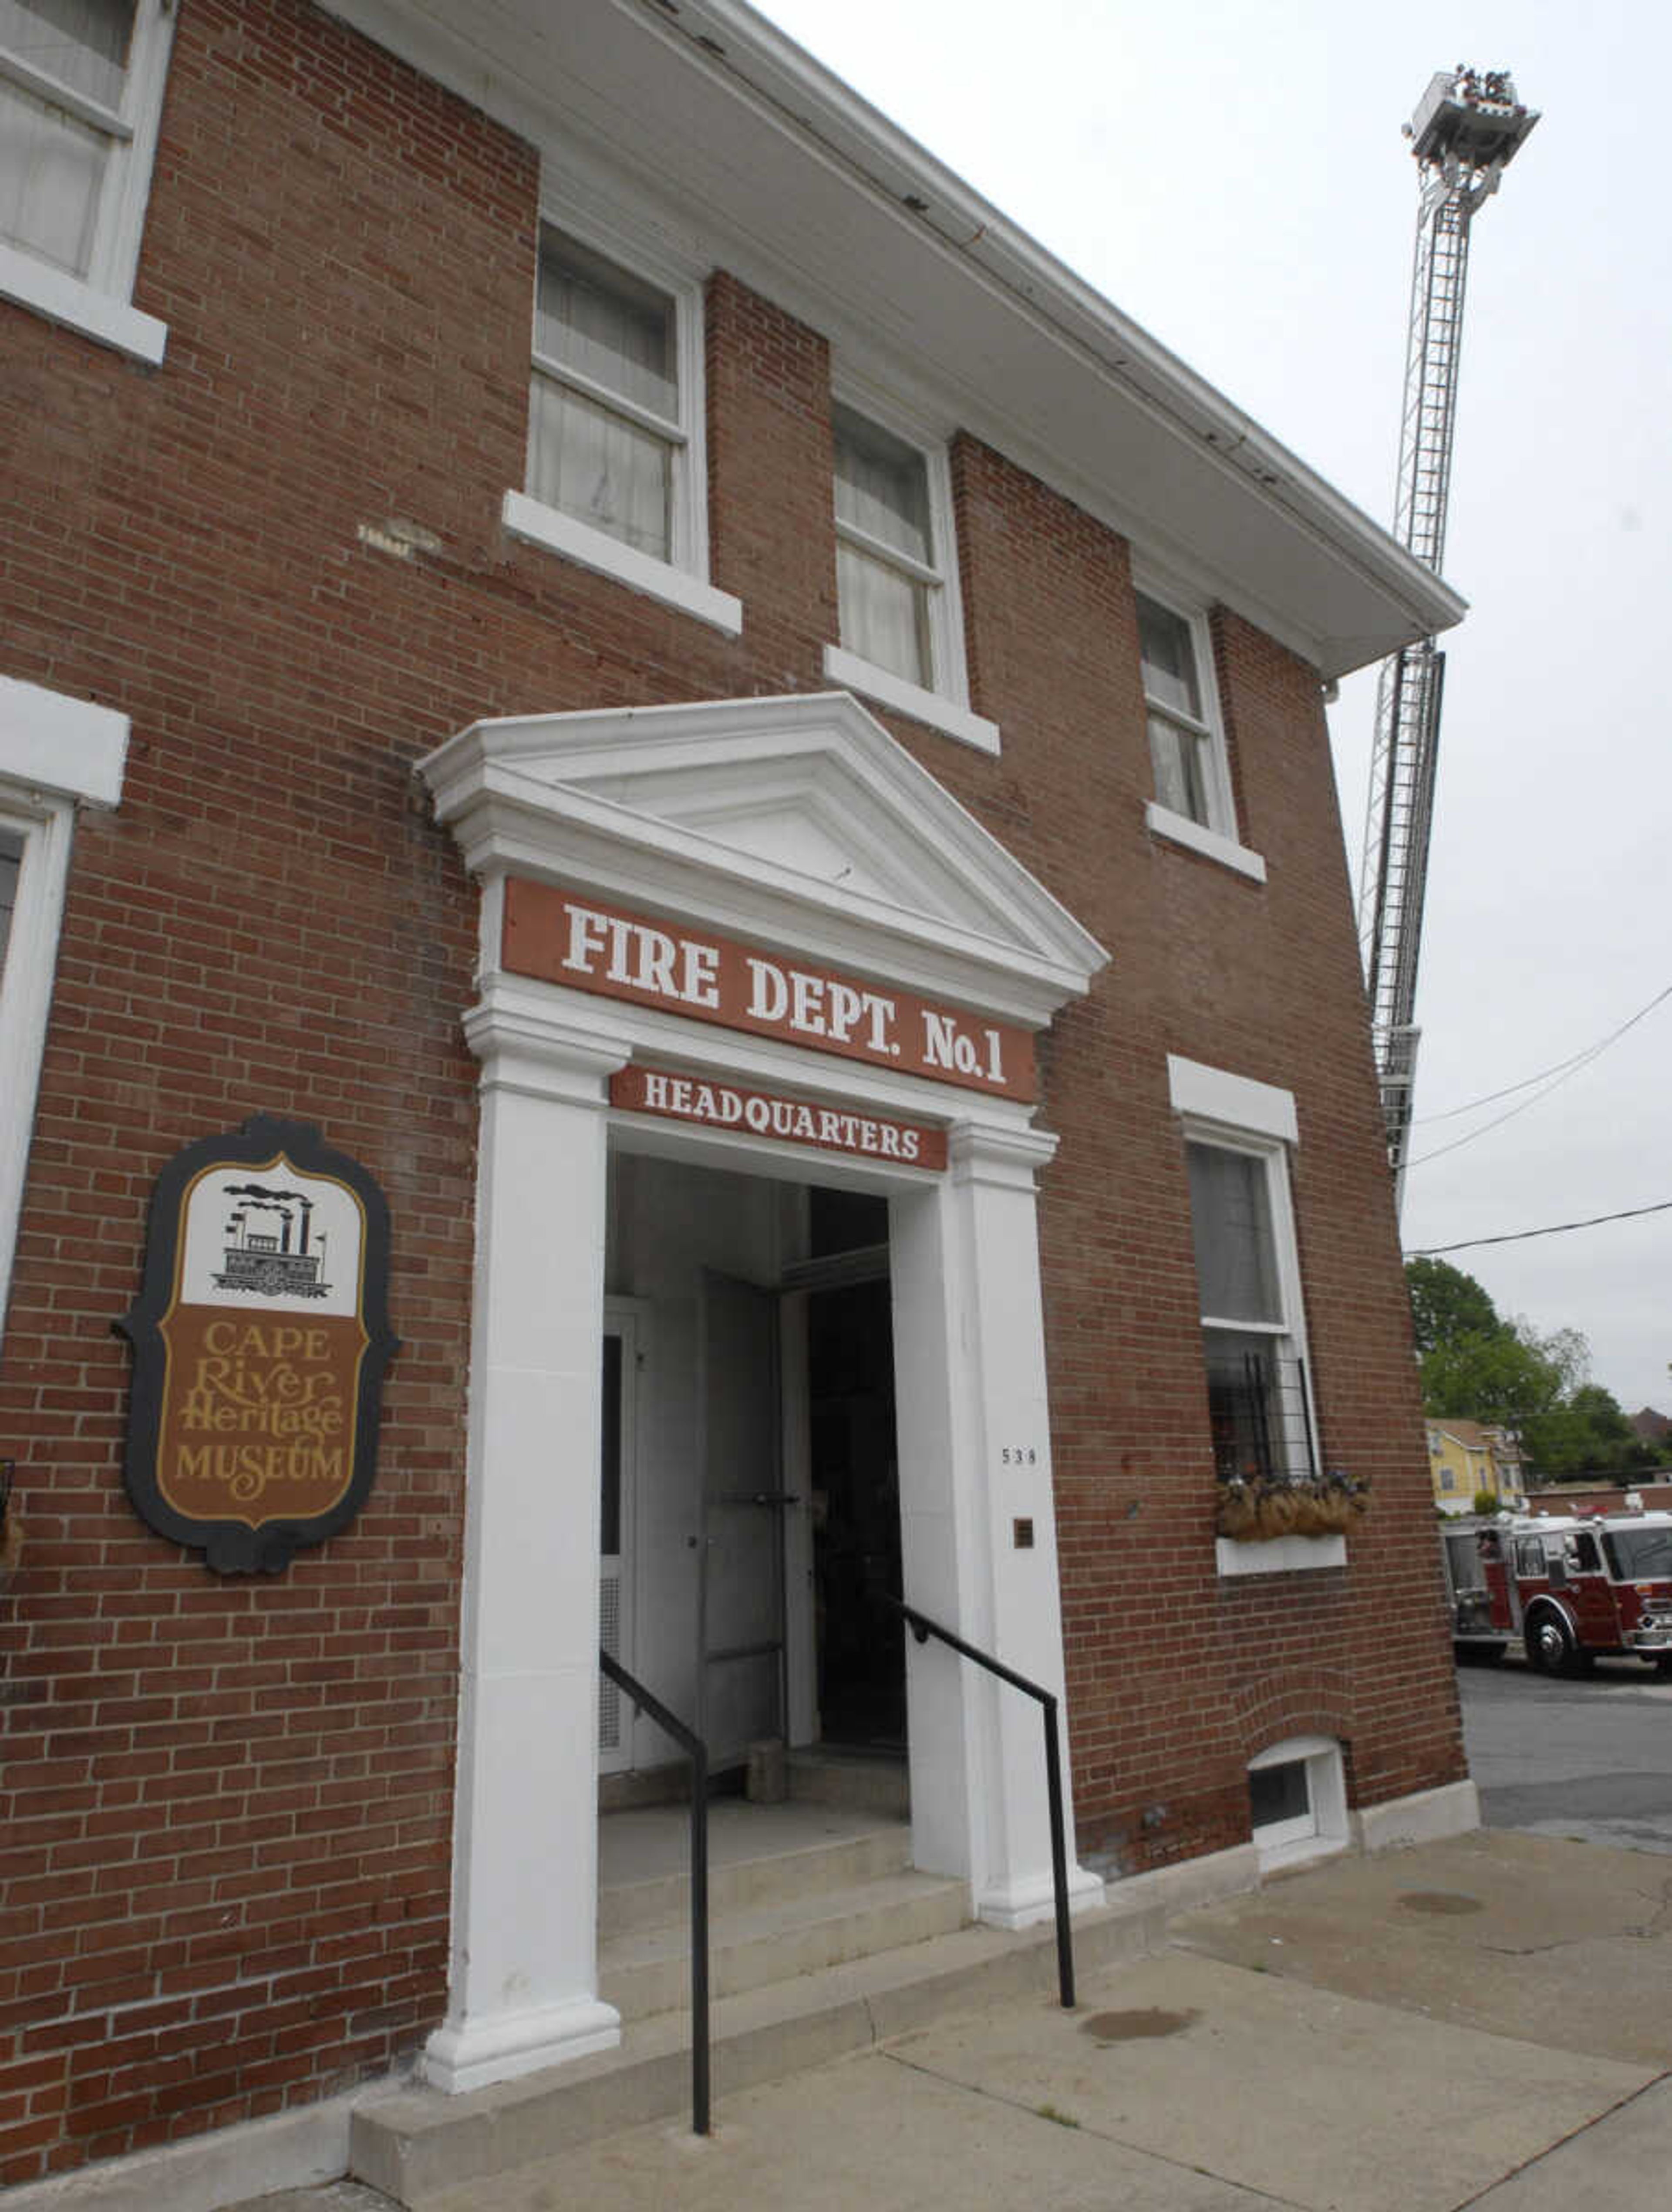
[1296, 1801]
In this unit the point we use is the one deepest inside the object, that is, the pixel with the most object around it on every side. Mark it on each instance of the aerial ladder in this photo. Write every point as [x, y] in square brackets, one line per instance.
[1467, 128]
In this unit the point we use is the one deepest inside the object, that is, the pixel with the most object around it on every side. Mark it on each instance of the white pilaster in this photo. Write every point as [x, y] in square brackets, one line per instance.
[975, 1450]
[522, 1981]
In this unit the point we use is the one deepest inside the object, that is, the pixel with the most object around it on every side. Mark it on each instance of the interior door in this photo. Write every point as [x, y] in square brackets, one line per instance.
[740, 1598]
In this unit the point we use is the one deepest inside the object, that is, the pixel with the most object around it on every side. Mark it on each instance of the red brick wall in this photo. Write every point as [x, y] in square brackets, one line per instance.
[226, 1805]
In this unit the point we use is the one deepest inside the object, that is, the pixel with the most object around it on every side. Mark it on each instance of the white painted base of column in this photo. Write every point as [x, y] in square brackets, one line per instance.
[1425, 1817]
[1026, 1903]
[459, 2058]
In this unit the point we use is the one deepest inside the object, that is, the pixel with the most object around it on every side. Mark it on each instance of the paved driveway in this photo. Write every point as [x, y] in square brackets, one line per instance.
[1591, 1758]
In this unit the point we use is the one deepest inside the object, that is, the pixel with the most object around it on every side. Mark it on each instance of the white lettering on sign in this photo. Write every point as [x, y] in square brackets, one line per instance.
[554, 936]
[643, 958]
[766, 1114]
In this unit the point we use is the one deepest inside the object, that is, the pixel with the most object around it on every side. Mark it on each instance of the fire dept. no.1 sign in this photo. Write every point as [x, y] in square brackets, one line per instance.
[260, 1339]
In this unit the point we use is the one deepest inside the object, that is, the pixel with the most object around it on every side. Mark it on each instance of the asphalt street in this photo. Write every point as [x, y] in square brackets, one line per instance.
[1590, 1758]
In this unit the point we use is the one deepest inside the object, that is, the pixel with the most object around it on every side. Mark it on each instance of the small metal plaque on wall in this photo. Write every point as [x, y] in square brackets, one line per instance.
[260, 1337]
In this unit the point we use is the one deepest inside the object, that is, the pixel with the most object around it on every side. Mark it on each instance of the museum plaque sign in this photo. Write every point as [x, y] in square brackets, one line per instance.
[717, 1105]
[260, 1340]
[558, 937]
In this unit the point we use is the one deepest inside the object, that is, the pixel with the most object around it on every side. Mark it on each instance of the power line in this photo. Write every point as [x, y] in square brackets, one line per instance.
[1562, 1073]
[1590, 1052]
[1520, 1236]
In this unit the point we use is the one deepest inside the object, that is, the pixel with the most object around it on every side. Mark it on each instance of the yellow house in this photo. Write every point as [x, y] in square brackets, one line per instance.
[1466, 1457]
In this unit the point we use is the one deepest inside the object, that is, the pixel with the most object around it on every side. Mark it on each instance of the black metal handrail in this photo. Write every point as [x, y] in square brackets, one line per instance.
[697, 1752]
[922, 1628]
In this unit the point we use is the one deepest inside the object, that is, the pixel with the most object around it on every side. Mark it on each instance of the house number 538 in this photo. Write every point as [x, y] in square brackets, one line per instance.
[1018, 1455]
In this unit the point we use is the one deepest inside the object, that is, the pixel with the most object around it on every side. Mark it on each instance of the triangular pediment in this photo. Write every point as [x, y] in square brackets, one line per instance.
[799, 814]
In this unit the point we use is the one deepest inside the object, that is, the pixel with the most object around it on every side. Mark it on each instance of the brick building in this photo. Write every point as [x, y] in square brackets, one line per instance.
[790, 834]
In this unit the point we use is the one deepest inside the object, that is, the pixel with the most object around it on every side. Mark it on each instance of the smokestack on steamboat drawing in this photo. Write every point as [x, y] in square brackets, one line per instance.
[260, 1256]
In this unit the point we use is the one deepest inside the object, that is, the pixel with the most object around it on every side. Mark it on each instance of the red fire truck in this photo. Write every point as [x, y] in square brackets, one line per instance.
[1569, 1585]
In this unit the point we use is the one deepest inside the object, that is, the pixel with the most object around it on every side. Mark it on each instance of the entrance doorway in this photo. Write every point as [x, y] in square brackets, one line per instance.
[751, 1477]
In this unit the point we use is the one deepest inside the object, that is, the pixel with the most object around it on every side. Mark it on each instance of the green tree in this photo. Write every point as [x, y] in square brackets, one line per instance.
[1498, 1377]
[1479, 1366]
[1446, 1304]
[1585, 1434]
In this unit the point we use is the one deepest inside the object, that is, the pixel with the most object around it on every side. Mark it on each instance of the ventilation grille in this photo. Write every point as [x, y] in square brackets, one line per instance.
[609, 1635]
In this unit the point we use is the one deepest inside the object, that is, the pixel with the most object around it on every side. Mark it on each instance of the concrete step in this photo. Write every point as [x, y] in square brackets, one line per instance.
[819, 1775]
[648, 1971]
[757, 1854]
[418, 2142]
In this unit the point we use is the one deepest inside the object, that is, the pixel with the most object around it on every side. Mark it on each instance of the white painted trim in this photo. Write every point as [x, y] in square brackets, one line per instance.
[55, 751]
[1182, 830]
[81, 307]
[536, 524]
[1279, 1555]
[946, 715]
[1236, 1101]
[66, 748]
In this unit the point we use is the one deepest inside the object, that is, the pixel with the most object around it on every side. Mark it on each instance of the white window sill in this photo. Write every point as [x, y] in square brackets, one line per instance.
[946, 715]
[66, 299]
[532, 520]
[1183, 830]
[1279, 1555]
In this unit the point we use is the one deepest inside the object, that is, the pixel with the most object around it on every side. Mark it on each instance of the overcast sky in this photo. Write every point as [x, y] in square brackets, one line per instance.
[1231, 174]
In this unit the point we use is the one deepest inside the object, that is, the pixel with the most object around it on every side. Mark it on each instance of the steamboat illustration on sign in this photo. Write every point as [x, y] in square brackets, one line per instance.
[258, 1253]
[260, 1340]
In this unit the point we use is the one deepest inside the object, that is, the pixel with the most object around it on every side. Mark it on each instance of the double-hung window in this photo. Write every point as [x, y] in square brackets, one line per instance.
[604, 426]
[1236, 1134]
[1192, 778]
[1251, 1348]
[615, 477]
[888, 573]
[81, 88]
[899, 618]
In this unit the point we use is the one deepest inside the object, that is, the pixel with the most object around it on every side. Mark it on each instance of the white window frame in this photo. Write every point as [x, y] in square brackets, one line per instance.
[1322, 1829]
[944, 702]
[100, 304]
[1236, 1114]
[56, 753]
[682, 580]
[1216, 838]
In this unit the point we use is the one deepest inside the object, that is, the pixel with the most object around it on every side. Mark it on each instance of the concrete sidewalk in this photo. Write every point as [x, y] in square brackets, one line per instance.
[1485, 2021]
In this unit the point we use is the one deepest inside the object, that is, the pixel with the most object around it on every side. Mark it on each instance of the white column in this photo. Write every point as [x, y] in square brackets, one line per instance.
[523, 1971]
[974, 1453]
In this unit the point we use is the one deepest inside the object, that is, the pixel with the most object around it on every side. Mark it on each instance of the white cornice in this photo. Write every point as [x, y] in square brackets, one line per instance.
[797, 822]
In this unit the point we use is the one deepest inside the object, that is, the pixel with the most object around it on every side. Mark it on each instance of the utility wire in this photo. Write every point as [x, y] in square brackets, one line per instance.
[1558, 1075]
[1590, 1052]
[1520, 1236]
